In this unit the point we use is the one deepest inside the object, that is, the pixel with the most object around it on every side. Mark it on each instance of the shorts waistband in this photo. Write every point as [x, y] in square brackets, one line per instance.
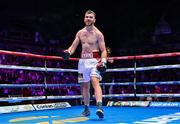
[90, 55]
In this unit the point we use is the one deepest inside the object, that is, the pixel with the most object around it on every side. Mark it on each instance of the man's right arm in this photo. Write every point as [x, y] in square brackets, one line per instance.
[72, 48]
[74, 45]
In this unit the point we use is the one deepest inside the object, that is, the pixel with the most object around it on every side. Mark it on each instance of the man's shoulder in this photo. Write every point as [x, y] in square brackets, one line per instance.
[81, 30]
[79, 33]
[98, 31]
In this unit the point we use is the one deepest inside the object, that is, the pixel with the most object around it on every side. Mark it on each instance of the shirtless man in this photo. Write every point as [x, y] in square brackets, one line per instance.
[92, 62]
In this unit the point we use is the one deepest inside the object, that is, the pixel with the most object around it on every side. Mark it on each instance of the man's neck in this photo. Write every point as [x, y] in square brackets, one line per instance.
[89, 28]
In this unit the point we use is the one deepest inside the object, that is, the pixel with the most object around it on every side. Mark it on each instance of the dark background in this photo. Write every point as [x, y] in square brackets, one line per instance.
[126, 24]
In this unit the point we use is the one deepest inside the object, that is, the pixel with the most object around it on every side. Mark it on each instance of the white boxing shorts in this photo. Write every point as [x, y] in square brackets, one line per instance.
[87, 69]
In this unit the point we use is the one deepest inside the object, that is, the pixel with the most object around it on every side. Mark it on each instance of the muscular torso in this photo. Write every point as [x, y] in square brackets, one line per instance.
[89, 41]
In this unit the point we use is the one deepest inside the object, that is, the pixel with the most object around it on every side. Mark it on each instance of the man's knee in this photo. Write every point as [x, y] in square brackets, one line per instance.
[85, 85]
[95, 81]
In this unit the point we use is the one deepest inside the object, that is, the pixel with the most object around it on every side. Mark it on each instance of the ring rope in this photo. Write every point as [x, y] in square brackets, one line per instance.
[75, 59]
[80, 96]
[35, 85]
[141, 95]
[144, 68]
[75, 70]
[142, 83]
[22, 98]
[37, 68]
[107, 84]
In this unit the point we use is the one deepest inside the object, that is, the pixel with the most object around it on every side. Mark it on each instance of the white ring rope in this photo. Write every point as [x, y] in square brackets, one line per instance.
[107, 84]
[141, 95]
[22, 98]
[80, 96]
[75, 70]
[142, 83]
[38, 98]
[35, 85]
[37, 68]
[144, 68]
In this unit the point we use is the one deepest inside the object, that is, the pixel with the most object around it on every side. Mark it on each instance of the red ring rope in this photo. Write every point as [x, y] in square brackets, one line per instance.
[75, 59]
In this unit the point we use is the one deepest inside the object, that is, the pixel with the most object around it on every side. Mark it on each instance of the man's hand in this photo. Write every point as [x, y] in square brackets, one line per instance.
[101, 65]
[66, 54]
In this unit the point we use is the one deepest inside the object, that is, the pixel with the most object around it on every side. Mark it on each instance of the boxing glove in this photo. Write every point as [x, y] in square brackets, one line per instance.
[101, 65]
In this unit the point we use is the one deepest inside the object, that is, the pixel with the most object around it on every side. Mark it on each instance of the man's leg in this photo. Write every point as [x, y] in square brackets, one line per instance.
[98, 96]
[86, 98]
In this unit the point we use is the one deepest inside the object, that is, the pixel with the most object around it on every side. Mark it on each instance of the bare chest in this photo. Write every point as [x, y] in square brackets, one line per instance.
[88, 38]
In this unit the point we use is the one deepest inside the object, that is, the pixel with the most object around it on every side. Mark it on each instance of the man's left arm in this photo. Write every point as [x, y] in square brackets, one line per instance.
[101, 66]
[102, 46]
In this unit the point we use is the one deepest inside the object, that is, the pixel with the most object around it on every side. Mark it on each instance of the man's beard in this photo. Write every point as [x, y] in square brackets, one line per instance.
[89, 24]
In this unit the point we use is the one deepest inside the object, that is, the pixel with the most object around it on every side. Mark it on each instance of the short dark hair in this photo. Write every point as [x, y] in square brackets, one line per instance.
[90, 12]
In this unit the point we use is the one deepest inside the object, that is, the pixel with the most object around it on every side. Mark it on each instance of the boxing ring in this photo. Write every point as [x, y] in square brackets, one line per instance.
[129, 101]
